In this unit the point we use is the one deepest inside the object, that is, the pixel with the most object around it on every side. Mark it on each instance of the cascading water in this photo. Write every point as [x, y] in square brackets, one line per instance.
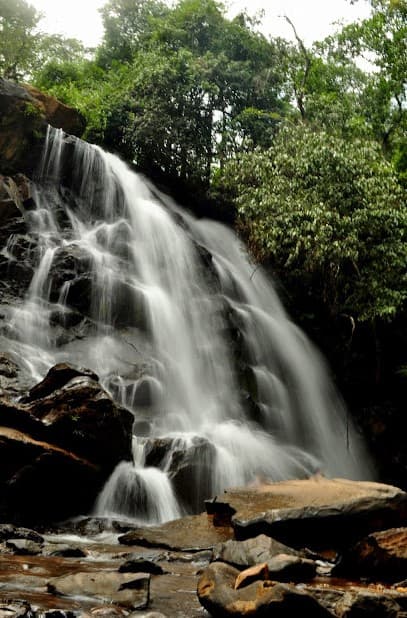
[181, 330]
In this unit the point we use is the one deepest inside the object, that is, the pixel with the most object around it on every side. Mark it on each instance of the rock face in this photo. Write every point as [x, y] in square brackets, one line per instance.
[24, 115]
[60, 445]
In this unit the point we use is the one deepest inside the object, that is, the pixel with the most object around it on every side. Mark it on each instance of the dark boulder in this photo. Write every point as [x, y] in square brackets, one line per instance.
[189, 464]
[25, 113]
[379, 556]
[40, 481]
[283, 563]
[56, 378]
[59, 446]
[83, 418]
[10, 531]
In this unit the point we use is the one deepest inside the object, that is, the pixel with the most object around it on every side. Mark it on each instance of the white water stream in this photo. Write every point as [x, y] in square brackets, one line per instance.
[159, 339]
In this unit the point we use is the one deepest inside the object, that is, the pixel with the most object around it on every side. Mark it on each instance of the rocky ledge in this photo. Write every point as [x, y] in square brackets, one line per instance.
[25, 113]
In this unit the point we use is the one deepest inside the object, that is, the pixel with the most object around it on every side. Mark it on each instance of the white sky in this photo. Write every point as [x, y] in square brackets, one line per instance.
[313, 18]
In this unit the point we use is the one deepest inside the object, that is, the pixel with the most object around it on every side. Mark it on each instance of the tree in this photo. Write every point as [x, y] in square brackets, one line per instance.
[381, 40]
[24, 49]
[329, 215]
[18, 38]
[127, 25]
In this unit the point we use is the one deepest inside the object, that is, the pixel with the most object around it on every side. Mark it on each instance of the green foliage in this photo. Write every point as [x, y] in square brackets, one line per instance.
[179, 90]
[382, 41]
[329, 214]
[127, 25]
[87, 87]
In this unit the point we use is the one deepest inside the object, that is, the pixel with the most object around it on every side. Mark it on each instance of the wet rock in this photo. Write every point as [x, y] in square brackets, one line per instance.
[108, 611]
[71, 275]
[83, 418]
[13, 380]
[23, 547]
[15, 609]
[380, 556]
[189, 466]
[193, 533]
[148, 615]
[56, 378]
[59, 613]
[10, 200]
[128, 590]
[140, 565]
[217, 594]
[8, 368]
[66, 551]
[317, 512]
[350, 601]
[9, 531]
[252, 551]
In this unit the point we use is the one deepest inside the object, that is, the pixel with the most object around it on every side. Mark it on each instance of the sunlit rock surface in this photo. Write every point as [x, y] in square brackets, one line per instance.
[318, 512]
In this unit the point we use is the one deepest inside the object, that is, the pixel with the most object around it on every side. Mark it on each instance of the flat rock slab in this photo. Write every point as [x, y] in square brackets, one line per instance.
[130, 590]
[317, 512]
[194, 533]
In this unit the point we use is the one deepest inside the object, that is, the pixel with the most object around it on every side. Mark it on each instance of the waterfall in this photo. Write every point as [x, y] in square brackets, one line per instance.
[182, 329]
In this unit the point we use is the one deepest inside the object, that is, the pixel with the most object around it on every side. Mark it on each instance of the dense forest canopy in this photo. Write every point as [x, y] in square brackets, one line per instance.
[304, 147]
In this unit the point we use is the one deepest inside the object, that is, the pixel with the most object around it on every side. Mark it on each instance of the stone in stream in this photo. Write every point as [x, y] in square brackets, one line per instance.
[15, 609]
[10, 531]
[216, 592]
[129, 590]
[24, 547]
[140, 565]
[283, 562]
[65, 551]
[246, 553]
[192, 533]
